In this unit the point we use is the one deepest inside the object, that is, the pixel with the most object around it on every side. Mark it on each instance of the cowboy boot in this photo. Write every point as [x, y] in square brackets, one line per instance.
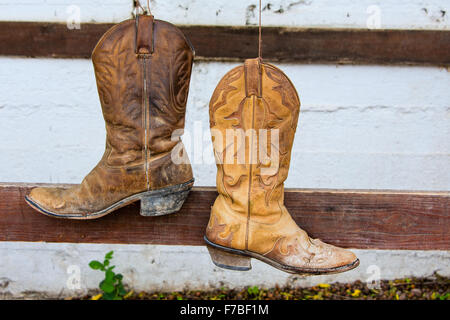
[248, 219]
[142, 68]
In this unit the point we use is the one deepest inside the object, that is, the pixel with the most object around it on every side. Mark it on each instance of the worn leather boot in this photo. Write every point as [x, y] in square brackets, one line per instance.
[249, 219]
[143, 68]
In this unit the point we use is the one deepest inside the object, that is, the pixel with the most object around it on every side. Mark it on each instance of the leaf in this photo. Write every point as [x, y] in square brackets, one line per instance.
[107, 286]
[94, 264]
[356, 293]
[324, 285]
[109, 276]
[253, 290]
[109, 296]
[97, 297]
[106, 263]
[126, 296]
[109, 255]
[122, 291]
[118, 276]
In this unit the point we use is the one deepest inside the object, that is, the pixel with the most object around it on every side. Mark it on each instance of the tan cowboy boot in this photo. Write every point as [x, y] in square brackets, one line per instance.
[249, 219]
[143, 68]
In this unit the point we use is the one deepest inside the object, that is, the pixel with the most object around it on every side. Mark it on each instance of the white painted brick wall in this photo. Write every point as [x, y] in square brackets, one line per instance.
[60, 11]
[394, 14]
[370, 127]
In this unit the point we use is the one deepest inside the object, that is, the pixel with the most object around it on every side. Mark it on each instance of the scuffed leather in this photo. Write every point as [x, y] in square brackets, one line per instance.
[249, 212]
[119, 73]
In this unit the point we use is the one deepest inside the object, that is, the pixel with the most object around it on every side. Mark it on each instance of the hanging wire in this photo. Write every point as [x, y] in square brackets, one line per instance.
[260, 34]
[138, 5]
[148, 7]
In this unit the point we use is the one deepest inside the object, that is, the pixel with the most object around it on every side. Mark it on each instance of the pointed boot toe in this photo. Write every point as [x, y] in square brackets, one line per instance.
[332, 259]
[345, 259]
[46, 200]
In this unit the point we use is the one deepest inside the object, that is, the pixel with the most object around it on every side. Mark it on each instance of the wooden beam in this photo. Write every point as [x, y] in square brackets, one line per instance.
[359, 46]
[355, 219]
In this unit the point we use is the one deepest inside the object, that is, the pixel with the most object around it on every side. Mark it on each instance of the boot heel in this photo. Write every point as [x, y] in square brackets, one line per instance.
[227, 260]
[165, 201]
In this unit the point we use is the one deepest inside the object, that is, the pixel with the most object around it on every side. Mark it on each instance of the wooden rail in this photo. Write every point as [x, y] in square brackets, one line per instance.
[427, 47]
[348, 218]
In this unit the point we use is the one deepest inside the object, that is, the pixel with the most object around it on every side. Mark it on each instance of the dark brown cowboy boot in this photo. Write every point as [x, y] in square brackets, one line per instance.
[143, 68]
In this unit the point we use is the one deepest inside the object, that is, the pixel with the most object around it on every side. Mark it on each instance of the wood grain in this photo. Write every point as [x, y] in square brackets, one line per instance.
[359, 46]
[348, 218]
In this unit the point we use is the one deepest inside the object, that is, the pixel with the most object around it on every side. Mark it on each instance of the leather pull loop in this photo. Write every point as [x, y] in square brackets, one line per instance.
[144, 34]
[253, 86]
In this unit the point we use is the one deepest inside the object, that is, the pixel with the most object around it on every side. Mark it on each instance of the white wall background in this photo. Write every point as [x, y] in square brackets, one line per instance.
[394, 14]
[361, 127]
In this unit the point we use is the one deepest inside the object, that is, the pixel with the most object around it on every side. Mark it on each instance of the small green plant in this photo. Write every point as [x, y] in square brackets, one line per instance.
[436, 296]
[111, 286]
[253, 291]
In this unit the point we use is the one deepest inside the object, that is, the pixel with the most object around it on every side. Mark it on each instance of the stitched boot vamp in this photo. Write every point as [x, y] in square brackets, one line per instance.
[101, 188]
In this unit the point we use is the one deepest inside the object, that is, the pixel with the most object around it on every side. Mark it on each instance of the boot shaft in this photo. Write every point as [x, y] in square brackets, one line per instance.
[253, 116]
[143, 68]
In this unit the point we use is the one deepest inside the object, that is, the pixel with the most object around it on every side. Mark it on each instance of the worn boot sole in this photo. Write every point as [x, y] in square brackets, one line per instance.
[240, 260]
[153, 203]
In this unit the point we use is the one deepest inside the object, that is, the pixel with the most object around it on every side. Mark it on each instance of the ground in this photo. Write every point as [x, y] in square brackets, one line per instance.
[435, 287]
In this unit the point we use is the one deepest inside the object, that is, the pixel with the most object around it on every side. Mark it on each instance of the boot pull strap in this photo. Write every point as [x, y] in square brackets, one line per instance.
[253, 77]
[144, 30]
[253, 67]
[144, 34]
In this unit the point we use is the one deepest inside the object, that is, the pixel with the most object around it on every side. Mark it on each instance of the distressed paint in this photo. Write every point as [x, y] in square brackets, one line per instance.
[394, 14]
[361, 127]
